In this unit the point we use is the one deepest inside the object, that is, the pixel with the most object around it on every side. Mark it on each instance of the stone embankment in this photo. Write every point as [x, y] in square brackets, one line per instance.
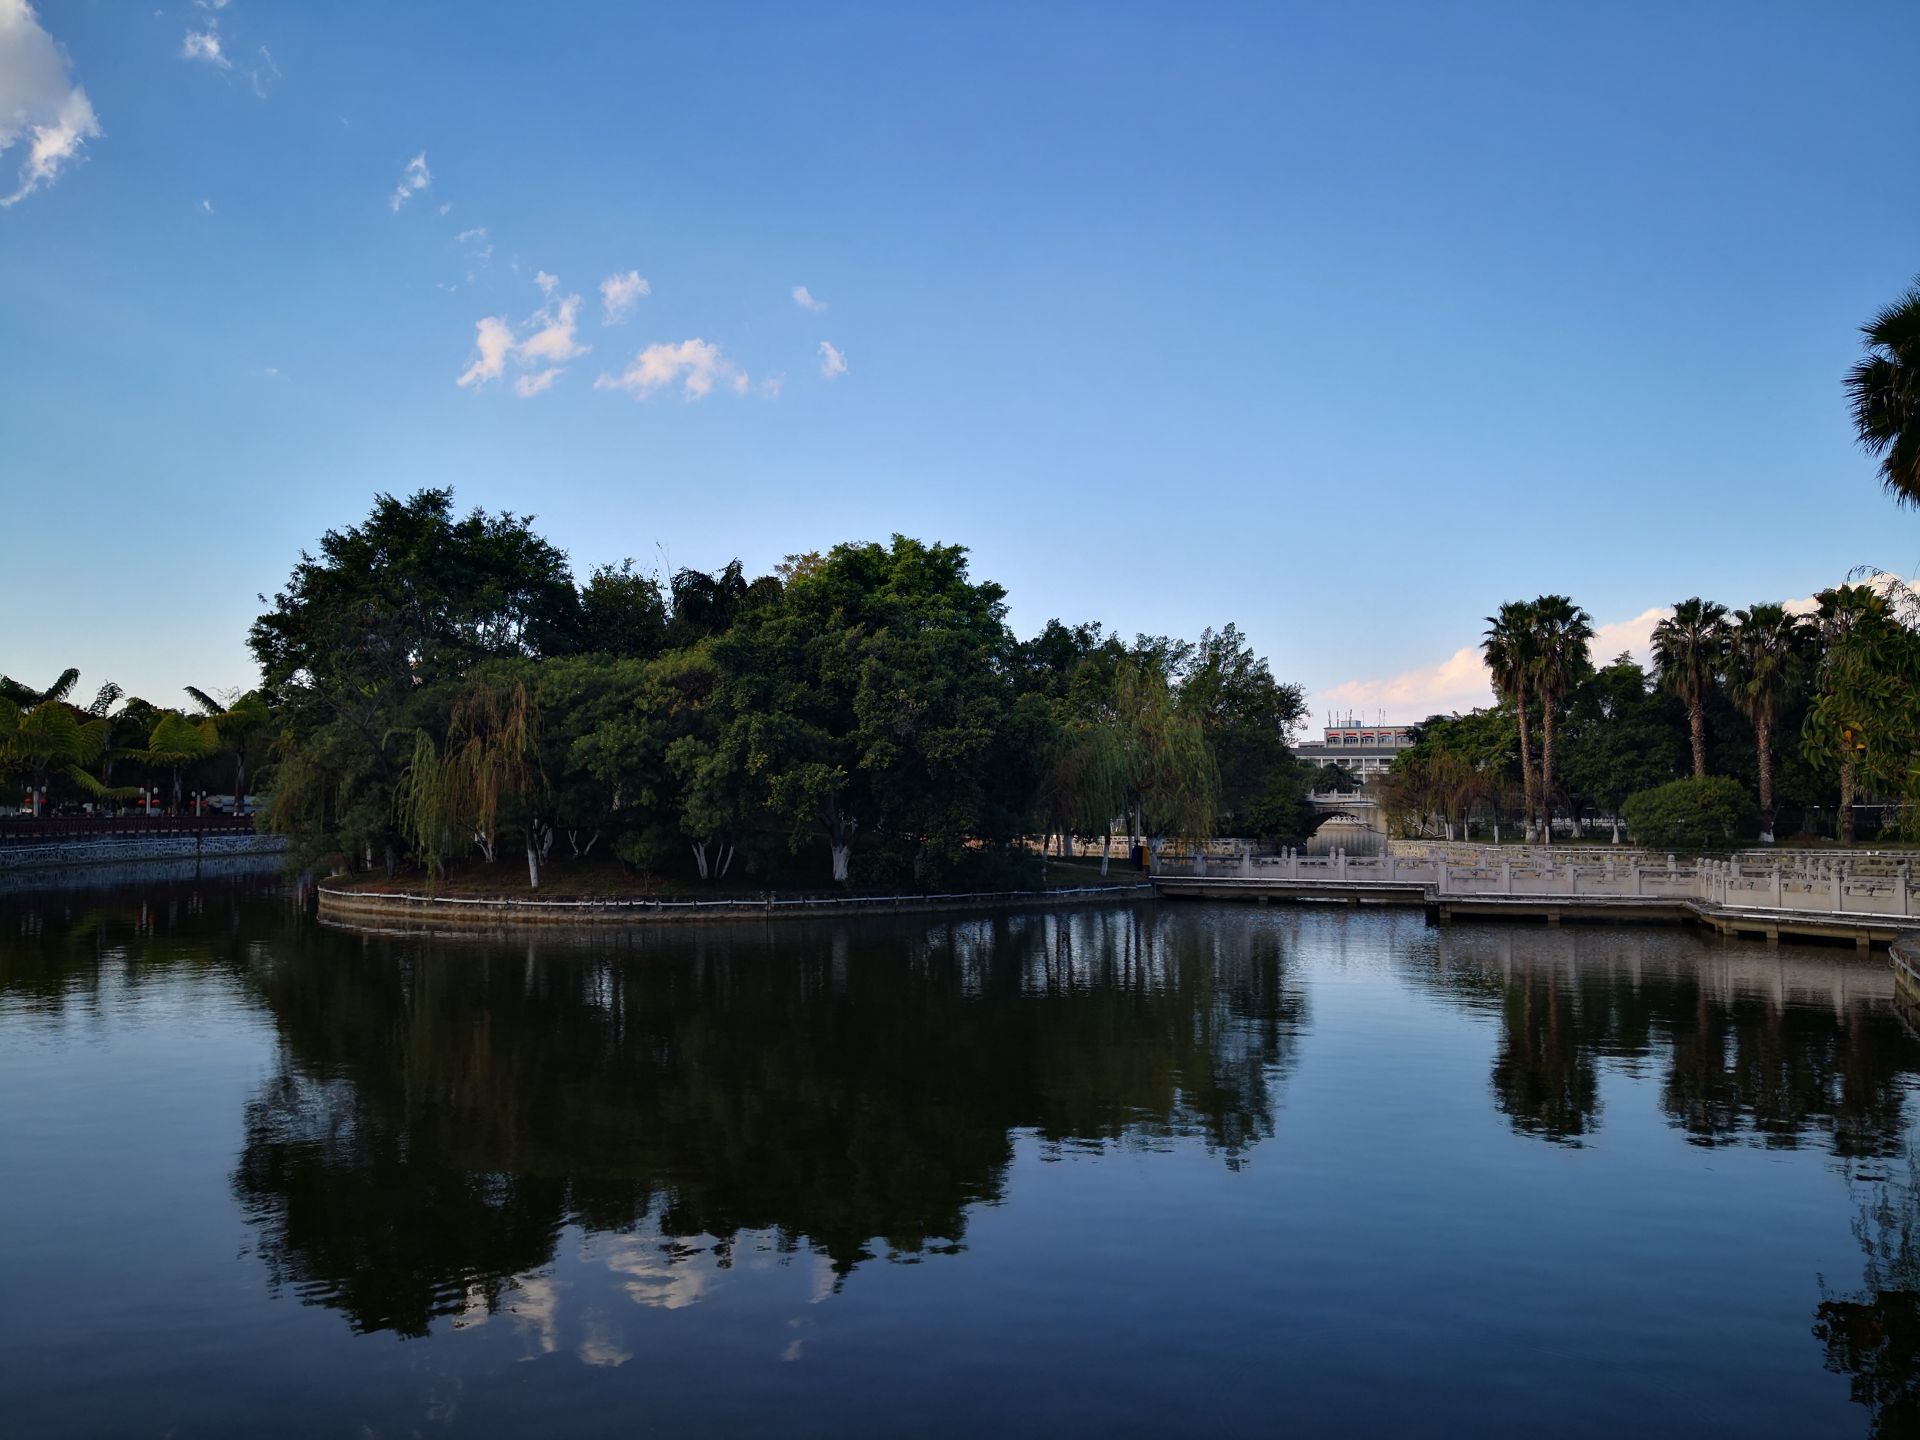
[24, 855]
[407, 910]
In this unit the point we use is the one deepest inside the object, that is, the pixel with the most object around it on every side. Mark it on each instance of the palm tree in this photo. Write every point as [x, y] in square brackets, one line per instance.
[236, 725]
[1688, 647]
[1884, 389]
[1766, 653]
[180, 740]
[1508, 648]
[1561, 630]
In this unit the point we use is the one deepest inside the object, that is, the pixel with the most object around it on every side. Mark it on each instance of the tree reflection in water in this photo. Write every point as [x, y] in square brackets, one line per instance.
[1759, 1047]
[442, 1111]
[1873, 1336]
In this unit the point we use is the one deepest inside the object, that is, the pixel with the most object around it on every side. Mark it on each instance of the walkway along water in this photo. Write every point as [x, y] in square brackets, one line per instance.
[1864, 897]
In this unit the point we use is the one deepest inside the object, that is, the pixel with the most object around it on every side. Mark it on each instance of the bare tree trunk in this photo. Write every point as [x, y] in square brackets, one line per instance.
[1844, 826]
[699, 858]
[1526, 762]
[1697, 725]
[533, 860]
[840, 855]
[1106, 844]
[1546, 768]
[1763, 739]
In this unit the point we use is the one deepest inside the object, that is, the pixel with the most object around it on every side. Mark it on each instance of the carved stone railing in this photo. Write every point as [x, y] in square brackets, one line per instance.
[1808, 883]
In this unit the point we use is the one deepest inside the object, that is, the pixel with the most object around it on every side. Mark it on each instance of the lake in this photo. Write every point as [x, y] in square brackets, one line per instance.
[1132, 1170]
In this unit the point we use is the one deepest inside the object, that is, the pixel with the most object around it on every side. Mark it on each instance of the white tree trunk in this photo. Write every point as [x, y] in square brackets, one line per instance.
[699, 858]
[1106, 844]
[726, 862]
[533, 862]
[841, 854]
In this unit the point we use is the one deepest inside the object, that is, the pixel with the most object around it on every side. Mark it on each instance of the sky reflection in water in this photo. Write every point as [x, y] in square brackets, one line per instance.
[1132, 1169]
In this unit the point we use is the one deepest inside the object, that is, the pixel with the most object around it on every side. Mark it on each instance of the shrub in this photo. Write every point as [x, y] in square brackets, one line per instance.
[1706, 814]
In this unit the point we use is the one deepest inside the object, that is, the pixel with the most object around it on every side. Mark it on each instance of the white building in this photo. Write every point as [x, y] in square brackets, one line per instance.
[1366, 750]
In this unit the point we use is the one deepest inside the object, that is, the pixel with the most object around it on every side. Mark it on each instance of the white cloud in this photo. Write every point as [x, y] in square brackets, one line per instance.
[207, 205]
[693, 364]
[550, 340]
[38, 101]
[205, 45]
[413, 179]
[492, 344]
[1462, 681]
[545, 281]
[832, 363]
[446, 207]
[618, 294]
[770, 387]
[553, 341]
[804, 299]
[477, 235]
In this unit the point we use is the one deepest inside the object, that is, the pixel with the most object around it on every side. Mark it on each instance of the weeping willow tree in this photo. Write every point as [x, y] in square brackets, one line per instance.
[1172, 780]
[487, 776]
[1085, 786]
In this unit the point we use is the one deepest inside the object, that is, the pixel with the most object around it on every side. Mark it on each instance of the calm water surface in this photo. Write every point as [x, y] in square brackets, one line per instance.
[1124, 1171]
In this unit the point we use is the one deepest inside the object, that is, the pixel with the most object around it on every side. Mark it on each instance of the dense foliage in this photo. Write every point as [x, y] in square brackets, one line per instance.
[440, 684]
[1698, 813]
[1811, 713]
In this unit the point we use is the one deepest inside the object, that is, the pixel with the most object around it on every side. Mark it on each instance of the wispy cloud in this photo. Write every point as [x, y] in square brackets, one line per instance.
[207, 205]
[803, 297]
[694, 365]
[533, 384]
[546, 282]
[619, 294]
[413, 179]
[832, 363]
[39, 103]
[264, 73]
[205, 45]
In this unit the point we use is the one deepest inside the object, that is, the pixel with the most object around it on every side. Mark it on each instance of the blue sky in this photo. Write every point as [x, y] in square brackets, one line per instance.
[1343, 323]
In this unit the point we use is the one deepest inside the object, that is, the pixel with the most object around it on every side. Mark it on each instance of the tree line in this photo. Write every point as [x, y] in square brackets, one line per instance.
[1749, 718]
[1765, 716]
[118, 750]
[441, 686]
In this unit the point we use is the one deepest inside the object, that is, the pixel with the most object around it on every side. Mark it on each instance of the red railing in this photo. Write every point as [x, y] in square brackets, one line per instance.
[27, 831]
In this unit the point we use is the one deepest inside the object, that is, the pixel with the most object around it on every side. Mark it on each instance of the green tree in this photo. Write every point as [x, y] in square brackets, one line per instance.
[1861, 724]
[239, 726]
[1698, 813]
[363, 648]
[1622, 735]
[1883, 389]
[1245, 716]
[1509, 650]
[1766, 651]
[1688, 649]
[1561, 631]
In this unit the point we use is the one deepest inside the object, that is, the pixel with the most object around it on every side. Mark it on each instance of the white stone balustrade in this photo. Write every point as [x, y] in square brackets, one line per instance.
[1799, 883]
